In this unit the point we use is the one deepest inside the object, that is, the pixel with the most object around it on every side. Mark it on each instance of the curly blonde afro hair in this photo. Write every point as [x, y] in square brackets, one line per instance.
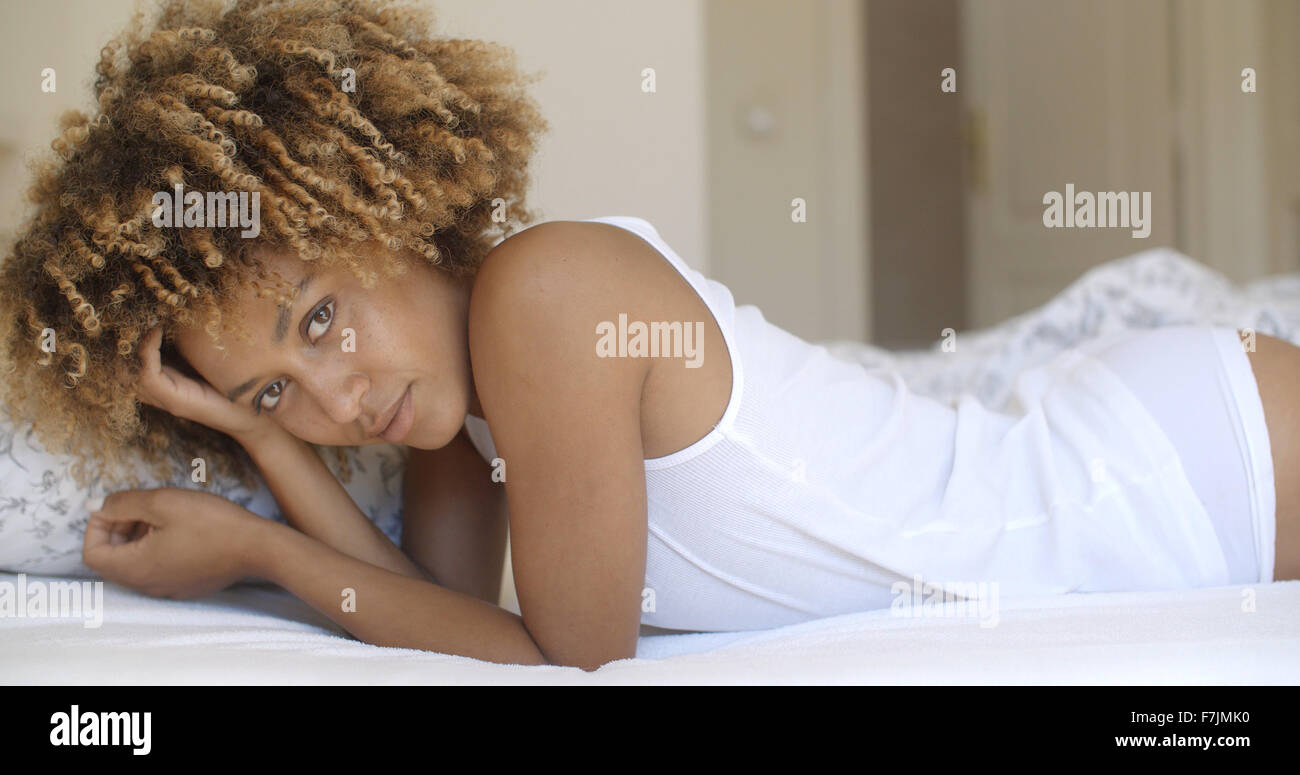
[349, 118]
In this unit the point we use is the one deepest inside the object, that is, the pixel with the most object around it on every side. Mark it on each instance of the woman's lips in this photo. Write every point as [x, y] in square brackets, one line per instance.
[402, 421]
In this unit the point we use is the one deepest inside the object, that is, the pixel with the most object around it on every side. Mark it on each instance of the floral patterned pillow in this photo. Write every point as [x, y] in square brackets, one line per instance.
[43, 518]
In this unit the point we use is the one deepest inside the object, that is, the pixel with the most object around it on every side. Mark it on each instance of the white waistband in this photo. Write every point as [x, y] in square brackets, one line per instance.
[1250, 407]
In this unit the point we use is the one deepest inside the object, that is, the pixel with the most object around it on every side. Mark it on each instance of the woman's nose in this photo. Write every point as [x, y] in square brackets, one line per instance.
[338, 390]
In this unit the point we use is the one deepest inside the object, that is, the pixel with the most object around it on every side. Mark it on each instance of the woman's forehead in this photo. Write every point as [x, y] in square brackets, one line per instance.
[270, 261]
[246, 311]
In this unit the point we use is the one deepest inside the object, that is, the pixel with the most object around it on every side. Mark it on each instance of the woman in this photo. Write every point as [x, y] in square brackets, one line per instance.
[668, 458]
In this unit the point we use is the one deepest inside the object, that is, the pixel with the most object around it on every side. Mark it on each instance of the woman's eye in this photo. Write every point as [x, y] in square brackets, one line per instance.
[320, 321]
[271, 396]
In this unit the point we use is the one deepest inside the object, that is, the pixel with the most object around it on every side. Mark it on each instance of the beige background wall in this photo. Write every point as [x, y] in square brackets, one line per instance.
[66, 35]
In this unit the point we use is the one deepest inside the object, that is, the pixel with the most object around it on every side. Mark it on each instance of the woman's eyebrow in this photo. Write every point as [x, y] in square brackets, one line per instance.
[234, 394]
[281, 328]
[282, 321]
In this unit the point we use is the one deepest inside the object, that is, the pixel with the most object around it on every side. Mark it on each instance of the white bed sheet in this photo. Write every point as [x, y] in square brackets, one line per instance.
[262, 635]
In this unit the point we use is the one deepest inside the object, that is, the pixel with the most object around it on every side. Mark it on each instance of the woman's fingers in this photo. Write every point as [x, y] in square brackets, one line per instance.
[151, 358]
[138, 531]
[151, 351]
[117, 535]
[161, 385]
[99, 532]
[114, 542]
[111, 557]
[125, 532]
[165, 386]
[192, 398]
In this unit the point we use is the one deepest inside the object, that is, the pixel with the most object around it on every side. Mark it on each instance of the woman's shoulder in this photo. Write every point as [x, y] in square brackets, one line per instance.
[545, 305]
[579, 267]
[555, 246]
[534, 312]
[546, 289]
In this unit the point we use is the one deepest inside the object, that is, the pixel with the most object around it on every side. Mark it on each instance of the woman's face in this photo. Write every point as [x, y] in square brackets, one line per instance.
[344, 362]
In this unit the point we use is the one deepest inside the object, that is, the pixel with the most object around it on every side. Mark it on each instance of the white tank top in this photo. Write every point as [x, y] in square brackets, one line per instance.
[826, 483]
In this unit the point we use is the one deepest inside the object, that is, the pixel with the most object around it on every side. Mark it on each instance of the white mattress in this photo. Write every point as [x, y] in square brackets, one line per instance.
[262, 635]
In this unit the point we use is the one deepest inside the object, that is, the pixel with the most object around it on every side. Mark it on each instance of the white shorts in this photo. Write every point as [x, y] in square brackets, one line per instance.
[1197, 382]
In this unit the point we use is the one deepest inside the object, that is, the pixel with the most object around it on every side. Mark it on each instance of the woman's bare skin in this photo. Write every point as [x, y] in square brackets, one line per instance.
[1276, 364]
[517, 346]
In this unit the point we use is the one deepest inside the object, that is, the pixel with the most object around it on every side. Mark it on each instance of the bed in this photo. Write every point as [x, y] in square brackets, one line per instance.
[254, 634]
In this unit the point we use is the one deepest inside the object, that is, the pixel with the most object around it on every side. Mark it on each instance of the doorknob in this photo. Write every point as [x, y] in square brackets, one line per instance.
[759, 122]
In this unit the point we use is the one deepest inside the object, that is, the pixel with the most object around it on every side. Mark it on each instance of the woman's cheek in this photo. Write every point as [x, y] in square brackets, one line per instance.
[314, 429]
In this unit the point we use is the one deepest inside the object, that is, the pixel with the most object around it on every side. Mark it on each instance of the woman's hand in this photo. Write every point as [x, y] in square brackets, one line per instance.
[308, 493]
[168, 389]
[173, 543]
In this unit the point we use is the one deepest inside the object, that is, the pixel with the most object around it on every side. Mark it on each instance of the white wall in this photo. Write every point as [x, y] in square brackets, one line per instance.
[67, 36]
[612, 149]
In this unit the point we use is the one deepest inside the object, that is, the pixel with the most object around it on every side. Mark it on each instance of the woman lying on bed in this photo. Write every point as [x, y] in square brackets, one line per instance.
[735, 477]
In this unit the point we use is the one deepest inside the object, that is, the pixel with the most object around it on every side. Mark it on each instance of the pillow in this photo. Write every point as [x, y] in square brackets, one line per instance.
[43, 519]
[1150, 289]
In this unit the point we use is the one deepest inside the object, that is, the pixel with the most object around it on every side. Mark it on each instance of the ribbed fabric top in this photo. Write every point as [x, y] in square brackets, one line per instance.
[826, 483]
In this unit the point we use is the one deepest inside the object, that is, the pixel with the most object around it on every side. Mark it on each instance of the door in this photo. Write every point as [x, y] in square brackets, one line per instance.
[788, 213]
[1059, 92]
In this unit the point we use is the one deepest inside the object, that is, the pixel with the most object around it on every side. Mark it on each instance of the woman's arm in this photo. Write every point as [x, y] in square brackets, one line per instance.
[454, 518]
[567, 423]
[184, 544]
[390, 609]
[315, 502]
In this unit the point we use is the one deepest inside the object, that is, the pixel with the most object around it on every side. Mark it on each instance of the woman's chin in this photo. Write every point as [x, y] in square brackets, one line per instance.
[435, 432]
